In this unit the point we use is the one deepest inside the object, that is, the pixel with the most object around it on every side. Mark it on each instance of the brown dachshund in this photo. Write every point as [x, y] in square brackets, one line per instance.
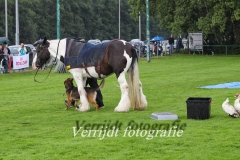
[73, 95]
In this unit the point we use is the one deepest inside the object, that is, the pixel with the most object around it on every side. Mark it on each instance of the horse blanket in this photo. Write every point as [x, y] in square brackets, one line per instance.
[81, 55]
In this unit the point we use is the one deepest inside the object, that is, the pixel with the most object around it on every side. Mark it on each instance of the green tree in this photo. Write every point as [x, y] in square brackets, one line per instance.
[216, 18]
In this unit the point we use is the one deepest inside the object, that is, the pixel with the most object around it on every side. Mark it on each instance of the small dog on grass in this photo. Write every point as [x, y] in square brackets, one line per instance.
[73, 95]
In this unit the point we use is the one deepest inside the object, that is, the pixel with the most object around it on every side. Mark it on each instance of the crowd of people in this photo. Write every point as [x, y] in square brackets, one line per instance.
[179, 44]
[208, 45]
[167, 47]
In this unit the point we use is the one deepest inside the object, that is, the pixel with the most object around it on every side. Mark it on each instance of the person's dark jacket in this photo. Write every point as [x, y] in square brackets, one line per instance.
[209, 43]
[171, 40]
[179, 43]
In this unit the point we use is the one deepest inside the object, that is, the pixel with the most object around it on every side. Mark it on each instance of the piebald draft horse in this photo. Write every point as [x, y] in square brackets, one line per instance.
[86, 60]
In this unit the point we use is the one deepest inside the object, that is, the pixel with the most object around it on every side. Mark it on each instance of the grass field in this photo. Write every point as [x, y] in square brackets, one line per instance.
[35, 125]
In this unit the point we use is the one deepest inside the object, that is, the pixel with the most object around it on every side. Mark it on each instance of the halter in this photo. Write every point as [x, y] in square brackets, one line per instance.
[51, 66]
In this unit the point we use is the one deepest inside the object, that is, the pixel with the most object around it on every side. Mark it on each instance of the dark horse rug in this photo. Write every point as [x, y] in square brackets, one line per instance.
[81, 55]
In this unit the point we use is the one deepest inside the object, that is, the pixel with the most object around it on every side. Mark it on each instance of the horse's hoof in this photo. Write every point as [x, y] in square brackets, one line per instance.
[118, 109]
[82, 109]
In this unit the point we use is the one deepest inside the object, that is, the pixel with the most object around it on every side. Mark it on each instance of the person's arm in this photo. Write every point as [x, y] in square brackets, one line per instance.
[19, 51]
[5, 54]
[9, 52]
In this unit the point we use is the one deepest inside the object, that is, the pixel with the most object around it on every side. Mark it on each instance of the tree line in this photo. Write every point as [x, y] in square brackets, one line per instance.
[215, 18]
[91, 19]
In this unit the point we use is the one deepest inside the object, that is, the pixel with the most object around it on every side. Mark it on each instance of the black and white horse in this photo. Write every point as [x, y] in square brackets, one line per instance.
[116, 56]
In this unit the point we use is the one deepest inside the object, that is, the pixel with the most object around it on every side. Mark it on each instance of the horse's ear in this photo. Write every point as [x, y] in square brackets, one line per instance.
[71, 79]
[45, 40]
[62, 59]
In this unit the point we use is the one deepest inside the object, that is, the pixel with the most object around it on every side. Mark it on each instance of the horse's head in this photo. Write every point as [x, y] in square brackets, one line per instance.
[42, 53]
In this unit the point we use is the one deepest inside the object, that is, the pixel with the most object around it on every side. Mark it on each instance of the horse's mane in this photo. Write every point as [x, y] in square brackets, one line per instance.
[80, 39]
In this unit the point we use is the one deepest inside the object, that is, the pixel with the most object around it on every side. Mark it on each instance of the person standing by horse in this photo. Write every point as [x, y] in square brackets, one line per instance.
[93, 84]
[22, 51]
[171, 43]
[6, 53]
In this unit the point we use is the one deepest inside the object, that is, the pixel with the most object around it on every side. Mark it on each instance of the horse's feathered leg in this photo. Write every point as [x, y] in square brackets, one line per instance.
[132, 94]
[80, 80]
[124, 104]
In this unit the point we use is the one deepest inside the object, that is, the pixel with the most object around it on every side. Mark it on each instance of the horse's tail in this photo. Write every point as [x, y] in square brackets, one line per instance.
[133, 78]
[101, 85]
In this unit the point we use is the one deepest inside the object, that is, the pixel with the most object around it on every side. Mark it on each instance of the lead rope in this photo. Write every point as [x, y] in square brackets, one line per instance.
[50, 69]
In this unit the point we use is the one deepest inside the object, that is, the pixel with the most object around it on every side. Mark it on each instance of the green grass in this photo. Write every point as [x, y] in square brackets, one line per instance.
[35, 125]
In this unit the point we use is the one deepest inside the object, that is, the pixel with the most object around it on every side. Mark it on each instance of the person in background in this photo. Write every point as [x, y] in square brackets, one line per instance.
[1, 60]
[6, 53]
[209, 48]
[1, 55]
[1, 49]
[187, 46]
[22, 51]
[225, 42]
[179, 44]
[171, 43]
